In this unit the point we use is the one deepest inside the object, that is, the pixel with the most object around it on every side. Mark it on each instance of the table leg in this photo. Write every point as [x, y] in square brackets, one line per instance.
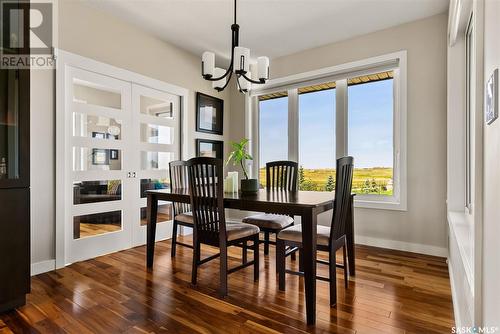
[350, 239]
[152, 211]
[309, 228]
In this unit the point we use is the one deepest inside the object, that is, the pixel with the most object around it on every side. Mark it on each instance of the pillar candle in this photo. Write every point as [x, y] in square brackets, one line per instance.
[234, 177]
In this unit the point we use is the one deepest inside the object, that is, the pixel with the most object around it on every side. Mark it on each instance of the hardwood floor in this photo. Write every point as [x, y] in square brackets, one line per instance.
[393, 292]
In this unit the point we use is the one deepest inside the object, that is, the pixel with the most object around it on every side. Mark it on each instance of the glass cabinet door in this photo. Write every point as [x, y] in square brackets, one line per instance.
[14, 132]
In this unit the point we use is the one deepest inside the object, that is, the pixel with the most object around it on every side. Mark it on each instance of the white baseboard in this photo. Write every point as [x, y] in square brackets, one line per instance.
[402, 246]
[454, 297]
[42, 267]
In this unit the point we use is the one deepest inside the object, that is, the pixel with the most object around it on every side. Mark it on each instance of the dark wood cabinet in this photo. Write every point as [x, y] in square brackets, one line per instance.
[14, 247]
[15, 260]
[14, 187]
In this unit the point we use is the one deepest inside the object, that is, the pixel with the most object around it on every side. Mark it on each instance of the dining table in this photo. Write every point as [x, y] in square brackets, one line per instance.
[305, 204]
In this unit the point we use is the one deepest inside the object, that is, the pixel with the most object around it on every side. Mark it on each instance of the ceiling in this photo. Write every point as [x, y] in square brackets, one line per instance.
[268, 27]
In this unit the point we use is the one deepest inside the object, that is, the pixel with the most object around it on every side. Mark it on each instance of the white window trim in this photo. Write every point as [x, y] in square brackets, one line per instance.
[397, 62]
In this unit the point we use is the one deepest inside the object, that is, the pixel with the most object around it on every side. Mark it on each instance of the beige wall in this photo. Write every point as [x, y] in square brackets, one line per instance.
[425, 221]
[98, 35]
[491, 190]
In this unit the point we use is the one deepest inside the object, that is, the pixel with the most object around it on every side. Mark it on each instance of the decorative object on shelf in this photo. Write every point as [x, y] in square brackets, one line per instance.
[99, 135]
[239, 64]
[114, 131]
[231, 182]
[113, 154]
[100, 156]
[209, 148]
[238, 156]
[209, 114]
[491, 110]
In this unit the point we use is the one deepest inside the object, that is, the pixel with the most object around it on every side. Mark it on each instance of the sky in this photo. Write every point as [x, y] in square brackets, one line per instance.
[370, 134]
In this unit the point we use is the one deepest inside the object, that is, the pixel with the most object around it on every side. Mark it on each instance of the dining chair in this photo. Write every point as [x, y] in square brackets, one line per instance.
[210, 225]
[178, 171]
[280, 175]
[329, 239]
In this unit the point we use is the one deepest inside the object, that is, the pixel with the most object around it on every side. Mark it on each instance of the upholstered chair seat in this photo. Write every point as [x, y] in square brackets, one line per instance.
[269, 221]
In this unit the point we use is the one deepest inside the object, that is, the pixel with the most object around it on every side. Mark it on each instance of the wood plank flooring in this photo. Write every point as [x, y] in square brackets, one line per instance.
[393, 292]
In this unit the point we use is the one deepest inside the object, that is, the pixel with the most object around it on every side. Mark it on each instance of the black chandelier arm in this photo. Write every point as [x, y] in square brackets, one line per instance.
[259, 82]
[227, 82]
[229, 70]
[238, 83]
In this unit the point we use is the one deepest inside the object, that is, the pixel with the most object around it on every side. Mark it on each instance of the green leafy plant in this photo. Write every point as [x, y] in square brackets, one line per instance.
[239, 155]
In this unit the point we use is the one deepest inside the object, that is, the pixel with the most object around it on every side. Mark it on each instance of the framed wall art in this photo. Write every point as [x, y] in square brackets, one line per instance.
[209, 114]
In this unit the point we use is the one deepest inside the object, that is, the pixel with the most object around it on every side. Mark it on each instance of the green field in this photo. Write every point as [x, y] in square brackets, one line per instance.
[376, 180]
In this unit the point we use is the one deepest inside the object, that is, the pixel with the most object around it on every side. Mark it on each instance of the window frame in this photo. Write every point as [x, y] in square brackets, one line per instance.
[469, 109]
[340, 74]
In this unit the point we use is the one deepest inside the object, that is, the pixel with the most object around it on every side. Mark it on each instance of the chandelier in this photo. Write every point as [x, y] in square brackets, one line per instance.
[240, 65]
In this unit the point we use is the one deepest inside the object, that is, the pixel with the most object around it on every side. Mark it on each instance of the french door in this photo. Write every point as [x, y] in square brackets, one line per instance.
[155, 115]
[122, 137]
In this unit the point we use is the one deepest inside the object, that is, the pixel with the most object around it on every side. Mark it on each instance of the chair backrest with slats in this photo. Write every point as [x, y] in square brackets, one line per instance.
[179, 179]
[207, 199]
[282, 175]
[343, 187]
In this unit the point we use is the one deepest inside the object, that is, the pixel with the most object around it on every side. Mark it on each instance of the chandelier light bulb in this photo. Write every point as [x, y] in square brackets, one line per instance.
[208, 64]
[241, 59]
[263, 68]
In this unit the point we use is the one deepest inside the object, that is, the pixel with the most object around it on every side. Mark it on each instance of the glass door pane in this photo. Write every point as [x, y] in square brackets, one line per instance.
[98, 118]
[156, 117]
[9, 125]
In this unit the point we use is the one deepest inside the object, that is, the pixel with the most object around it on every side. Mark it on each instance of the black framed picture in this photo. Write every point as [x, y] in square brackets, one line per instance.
[100, 156]
[210, 148]
[209, 114]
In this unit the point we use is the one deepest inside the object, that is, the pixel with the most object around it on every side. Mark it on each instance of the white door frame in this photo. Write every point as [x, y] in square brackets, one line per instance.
[65, 59]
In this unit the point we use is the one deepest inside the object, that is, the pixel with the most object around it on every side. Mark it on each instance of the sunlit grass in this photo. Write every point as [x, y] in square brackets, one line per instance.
[377, 180]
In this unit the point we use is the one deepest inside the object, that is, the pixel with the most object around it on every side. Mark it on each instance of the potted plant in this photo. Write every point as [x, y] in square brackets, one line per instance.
[239, 155]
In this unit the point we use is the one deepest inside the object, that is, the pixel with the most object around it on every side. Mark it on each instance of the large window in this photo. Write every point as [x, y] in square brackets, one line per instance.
[317, 138]
[273, 117]
[359, 112]
[371, 114]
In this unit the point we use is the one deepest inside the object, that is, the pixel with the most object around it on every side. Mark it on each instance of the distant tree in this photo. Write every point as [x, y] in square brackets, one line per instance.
[330, 183]
[302, 178]
[367, 186]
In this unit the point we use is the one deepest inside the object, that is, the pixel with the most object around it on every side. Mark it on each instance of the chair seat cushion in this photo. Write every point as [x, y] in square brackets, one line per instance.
[186, 217]
[269, 221]
[237, 230]
[294, 233]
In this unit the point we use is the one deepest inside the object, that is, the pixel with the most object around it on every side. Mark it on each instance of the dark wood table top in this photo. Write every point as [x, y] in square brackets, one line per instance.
[303, 199]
